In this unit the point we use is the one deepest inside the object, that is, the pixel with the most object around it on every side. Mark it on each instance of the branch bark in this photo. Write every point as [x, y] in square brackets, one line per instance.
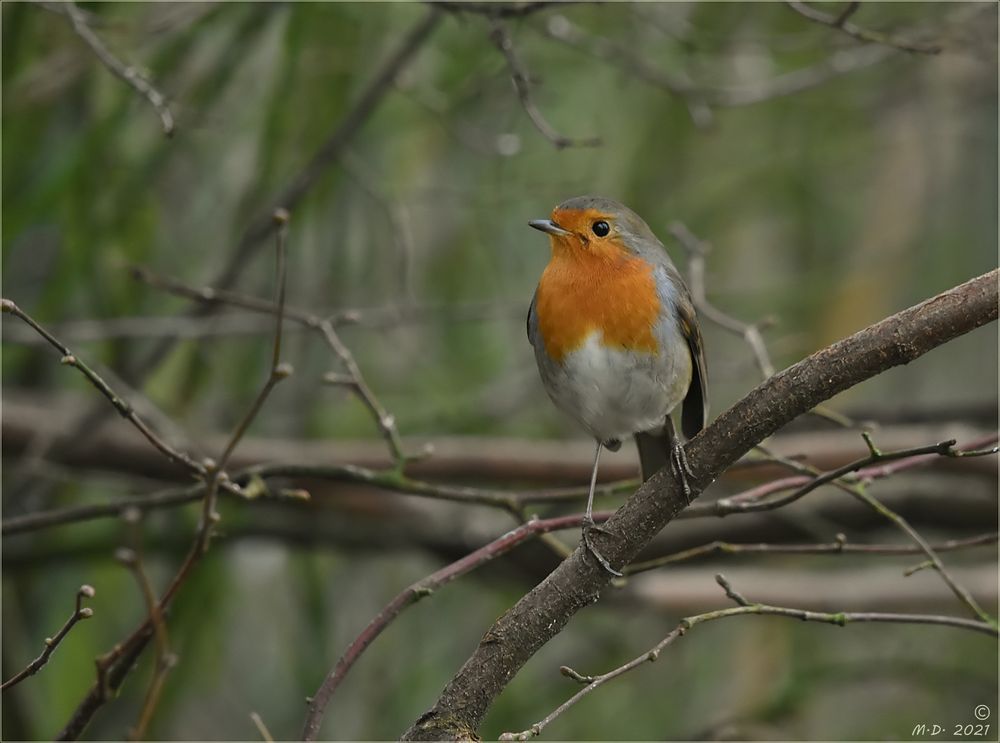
[578, 581]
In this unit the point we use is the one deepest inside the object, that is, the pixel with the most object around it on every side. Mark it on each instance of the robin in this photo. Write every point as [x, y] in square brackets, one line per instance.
[616, 338]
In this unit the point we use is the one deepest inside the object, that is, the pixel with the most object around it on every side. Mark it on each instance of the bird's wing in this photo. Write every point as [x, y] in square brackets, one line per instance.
[531, 322]
[694, 413]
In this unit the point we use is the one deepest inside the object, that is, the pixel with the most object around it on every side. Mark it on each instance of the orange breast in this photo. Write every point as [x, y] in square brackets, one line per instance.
[580, 293]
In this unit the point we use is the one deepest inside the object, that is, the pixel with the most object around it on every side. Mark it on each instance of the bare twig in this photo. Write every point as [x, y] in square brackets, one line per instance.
[124, 72]
[258, 722]
[325, 327]
[368, 100]
[861, 34]
[397, 216]
[122, 406]
[562, 29]
[700, 99]
[859, 490]
[51, 643]
[751, 500]
[744, 607]
[697, 250]
[837, 547]
[413, 594]
[165, 660]
[850, 9]
[262, 226]
[501, 38]
[747, 501]
[839, 63]
[114, 666]
[251, 324]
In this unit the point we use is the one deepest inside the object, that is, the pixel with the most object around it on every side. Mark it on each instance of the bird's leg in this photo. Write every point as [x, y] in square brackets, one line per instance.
[588, 518]
[679, 467]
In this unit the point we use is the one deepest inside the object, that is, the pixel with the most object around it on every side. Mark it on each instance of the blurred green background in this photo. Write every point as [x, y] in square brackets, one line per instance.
[827, 209]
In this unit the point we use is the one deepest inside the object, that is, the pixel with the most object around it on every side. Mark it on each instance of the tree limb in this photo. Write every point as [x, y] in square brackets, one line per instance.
[579, 580]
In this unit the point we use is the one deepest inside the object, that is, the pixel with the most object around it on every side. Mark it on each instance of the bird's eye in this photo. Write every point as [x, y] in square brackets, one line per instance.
[601, 228]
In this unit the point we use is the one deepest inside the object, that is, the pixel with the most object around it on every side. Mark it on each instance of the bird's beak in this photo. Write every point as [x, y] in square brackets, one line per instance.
[547, 225]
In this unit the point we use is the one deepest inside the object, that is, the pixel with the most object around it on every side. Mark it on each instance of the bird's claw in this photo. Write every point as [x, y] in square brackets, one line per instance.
[681, 470]
[588, 526]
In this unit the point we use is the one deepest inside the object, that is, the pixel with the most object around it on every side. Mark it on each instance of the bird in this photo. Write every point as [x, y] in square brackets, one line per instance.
[616, 339]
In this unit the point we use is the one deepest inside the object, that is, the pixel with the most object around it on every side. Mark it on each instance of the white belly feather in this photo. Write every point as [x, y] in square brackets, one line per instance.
[615, 393]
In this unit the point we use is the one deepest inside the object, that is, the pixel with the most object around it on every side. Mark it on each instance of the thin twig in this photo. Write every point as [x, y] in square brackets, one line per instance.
[51, 643]
[562, 29]
[850, 9]
[697, 250]
[258, 722]
[858, 489]
[501, 39]
[325, 327]
[132, 558]
[411, 595]
[744, 607]
[861, 34]
[840, 546]
[398, 218]
[124, 72]
[392, 480]
[113, 666]
[123, 407]
[701, 99]
[251, 324]
[751, 500]
[298, 187]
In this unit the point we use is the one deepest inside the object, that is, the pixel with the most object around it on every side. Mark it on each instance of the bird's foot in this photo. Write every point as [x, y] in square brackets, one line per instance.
[681, 470]
[588, 527]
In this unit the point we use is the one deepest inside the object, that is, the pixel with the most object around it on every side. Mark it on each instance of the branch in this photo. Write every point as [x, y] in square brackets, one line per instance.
[856, 32]
[51, 643]
[579, 580]
[165, 659]
[696, 250]
[840, 619]
[747, 501]
[114, 666]
[300, 184]
[411, 595]
[838, 547]
[751, 500]
[122, 406]
[126, 73]
[700, 99]
[519, 77]
[324, 326]
[371, 95]
[859, 491]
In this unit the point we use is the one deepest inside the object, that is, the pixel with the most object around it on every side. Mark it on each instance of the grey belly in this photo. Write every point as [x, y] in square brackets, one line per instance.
[614, 393]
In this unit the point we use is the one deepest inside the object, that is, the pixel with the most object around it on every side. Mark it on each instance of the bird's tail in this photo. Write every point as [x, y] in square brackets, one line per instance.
[654, 452]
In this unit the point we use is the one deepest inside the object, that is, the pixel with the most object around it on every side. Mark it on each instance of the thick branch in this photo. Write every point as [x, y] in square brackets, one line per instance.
[579, 580]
